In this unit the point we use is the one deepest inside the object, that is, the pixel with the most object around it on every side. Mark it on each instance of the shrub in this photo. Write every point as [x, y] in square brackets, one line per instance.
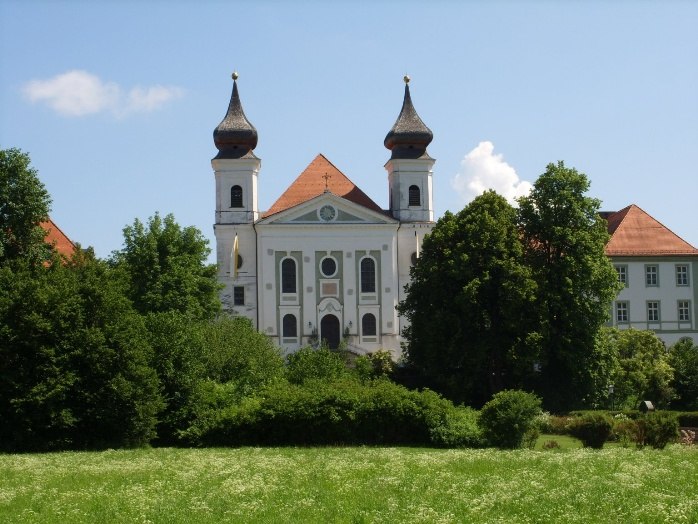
[459, 429]
[624, 429]
[688, 419]
[657, 430]
[374, 365]
[506, 418]
[530, 438]
[593, 429]
[552, 424]
[309, 363]
[342, 411]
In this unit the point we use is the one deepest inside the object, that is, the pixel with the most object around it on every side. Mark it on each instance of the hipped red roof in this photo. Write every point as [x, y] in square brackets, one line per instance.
[635, 233]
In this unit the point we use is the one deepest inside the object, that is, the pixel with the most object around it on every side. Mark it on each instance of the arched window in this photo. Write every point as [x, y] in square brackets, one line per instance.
[288, 275]
[414, 199]
[290, 326]
[368, 275]
[236, 196]
[368, 325]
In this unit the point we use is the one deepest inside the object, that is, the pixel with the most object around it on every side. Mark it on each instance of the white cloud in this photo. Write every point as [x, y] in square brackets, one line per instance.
[481, 170]
[79, 93]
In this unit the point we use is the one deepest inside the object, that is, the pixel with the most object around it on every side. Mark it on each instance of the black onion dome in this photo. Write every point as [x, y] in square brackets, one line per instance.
[235, 136]
[409, 136]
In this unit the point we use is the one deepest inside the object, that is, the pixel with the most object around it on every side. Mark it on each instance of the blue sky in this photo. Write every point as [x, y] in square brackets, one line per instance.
[116, 102]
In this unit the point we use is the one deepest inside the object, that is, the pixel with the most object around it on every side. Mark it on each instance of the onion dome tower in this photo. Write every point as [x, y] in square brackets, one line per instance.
[236, 170]
[410, 166]
[409, 136]
[235, 136]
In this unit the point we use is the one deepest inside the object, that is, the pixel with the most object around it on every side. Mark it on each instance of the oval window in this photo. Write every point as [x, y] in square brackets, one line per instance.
[328, 266]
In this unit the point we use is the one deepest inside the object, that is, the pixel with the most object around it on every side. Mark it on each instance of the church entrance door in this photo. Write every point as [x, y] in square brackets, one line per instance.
[329, 331]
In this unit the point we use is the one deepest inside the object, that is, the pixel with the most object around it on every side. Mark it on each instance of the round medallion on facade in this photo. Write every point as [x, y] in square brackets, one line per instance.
[328, 267]
[327, 213]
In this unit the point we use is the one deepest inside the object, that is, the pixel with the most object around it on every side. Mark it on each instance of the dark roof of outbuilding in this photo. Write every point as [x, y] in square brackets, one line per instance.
[235, 136]
[409, 136]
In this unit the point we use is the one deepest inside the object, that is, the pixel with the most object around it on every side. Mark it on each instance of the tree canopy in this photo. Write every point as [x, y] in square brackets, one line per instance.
[564, 239]
[468, 303]
[165, 266]
[24, 204]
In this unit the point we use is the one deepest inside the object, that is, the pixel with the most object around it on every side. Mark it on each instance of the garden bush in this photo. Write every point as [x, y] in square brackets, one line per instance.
[688, 419]
[657, 430]
[593, 429]
[506, 418]
[309, 363]
[343, 411]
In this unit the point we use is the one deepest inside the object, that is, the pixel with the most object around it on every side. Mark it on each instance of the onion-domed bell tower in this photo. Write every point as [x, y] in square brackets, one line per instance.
[410, 166]
[236, 169]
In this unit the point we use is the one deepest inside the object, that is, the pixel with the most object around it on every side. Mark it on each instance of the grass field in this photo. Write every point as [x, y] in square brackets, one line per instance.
[352, 485]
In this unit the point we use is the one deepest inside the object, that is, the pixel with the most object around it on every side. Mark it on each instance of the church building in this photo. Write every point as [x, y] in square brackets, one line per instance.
[324, 262]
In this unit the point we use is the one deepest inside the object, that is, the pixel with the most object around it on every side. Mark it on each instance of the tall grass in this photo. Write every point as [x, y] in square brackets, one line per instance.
[351, 485]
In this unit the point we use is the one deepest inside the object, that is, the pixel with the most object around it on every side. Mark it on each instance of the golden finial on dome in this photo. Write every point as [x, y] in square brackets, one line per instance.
[235, 75]
[406, 78]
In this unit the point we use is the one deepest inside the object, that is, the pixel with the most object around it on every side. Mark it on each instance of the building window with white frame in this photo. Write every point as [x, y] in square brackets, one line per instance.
[289, 326]
[651, 275]
[653, 311]
[368, 325]
[368, 275]
[684, 310]
[622, 274]
[288, 275]
[622, 312]
[681, 274]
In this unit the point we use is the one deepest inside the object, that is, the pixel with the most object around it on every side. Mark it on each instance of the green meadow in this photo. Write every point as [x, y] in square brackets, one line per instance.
[352, 484]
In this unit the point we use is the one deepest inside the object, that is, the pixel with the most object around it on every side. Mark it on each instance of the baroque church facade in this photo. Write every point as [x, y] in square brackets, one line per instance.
[324, 262]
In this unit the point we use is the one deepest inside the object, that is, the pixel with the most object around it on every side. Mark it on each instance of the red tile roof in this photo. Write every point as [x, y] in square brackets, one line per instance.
[54, 236]
[311, 183]
[635, 233]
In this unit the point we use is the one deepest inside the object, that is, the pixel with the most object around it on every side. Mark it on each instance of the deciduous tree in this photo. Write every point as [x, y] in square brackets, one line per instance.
[24, 204]
[564, 239]
[165, 266]
[468, 303]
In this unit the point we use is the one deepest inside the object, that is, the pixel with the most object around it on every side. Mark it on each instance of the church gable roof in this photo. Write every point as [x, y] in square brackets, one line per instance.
[321, 175]
[636, 233]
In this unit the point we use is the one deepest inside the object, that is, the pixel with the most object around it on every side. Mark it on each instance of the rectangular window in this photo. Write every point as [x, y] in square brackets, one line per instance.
[621, 312]
[652, 275]
[684, 310]
[622, 275]
[653, 311]
[681, 275]
[239, 296]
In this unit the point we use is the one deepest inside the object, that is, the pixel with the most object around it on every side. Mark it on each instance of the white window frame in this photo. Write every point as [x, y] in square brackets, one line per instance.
[684, 306]
[653, 308]
[682, 275]
[651, 275]
[285, 296]
[622, 270]
[624, 306]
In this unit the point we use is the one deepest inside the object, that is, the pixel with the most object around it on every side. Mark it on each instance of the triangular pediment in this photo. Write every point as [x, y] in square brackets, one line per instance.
[319, 177]
[328, 209]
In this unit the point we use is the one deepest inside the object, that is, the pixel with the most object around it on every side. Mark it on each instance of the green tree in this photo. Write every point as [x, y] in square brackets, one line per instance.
[24, 204]
[468, 304]
[683, 357]
[74, 360]
[643, 371]
[166, 268]
[564, 238]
